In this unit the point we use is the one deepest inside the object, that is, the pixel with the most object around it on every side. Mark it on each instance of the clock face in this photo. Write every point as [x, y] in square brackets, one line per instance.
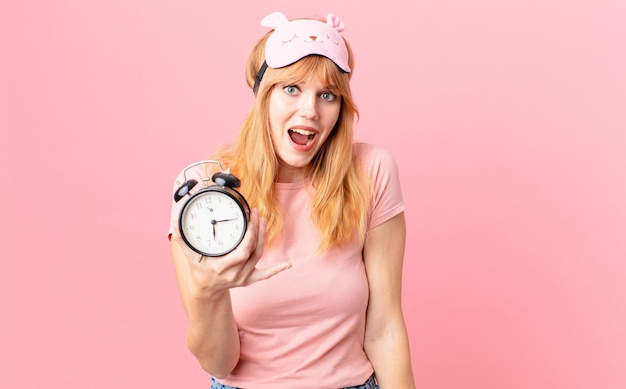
[213, 222]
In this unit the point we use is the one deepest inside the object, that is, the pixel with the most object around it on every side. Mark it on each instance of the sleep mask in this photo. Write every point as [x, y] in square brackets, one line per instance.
[293, 40]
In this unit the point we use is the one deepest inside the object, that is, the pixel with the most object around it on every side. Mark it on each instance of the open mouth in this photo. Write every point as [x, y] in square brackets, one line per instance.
[301, 137]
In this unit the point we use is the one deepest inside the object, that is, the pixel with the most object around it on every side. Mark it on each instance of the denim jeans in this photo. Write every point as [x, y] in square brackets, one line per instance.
[369, 384]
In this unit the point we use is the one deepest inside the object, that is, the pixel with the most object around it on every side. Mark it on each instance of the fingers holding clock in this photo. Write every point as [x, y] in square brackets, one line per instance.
[239, 267]
[255, 273]
[254, 239]
[251, 247]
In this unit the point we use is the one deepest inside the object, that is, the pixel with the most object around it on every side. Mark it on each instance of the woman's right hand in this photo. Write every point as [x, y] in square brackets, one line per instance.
[209, 277]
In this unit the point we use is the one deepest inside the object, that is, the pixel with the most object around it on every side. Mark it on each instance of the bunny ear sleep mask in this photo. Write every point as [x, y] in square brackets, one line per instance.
[296, 39]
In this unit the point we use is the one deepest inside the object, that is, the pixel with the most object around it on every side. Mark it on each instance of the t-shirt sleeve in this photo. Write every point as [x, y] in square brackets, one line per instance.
[382, 168]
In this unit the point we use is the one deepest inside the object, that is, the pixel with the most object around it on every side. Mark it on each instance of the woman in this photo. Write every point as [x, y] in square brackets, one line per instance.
[311, 296]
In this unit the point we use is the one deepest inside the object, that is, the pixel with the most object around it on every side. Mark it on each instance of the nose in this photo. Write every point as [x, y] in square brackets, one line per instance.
[308, 108]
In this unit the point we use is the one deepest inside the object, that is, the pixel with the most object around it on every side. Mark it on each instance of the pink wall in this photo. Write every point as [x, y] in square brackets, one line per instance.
[507, 118]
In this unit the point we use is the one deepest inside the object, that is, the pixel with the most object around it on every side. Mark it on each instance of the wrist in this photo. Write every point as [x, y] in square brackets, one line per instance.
[206, 296]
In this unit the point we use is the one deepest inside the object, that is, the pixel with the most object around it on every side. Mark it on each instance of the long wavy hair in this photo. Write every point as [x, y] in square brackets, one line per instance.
[341, 195]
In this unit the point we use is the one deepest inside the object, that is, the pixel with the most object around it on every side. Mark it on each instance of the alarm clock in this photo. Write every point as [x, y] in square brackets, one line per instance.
[213, 220]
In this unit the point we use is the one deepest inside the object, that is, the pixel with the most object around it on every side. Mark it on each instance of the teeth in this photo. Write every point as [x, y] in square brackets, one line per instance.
[303, 132]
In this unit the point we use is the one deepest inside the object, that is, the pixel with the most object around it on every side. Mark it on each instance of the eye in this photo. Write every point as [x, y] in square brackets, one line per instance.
[291, 89]
[328, 96]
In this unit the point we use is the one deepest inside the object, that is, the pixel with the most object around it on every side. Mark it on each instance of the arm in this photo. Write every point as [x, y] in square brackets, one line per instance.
[386, 339]
[204, 287]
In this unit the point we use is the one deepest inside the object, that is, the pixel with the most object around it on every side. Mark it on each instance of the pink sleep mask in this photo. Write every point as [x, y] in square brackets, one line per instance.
[293, 40]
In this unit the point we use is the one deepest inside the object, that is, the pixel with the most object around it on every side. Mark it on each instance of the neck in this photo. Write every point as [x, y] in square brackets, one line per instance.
[289, 174]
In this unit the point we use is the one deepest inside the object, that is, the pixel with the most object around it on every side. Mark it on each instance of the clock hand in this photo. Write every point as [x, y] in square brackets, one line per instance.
[225, 220]
[213, 223]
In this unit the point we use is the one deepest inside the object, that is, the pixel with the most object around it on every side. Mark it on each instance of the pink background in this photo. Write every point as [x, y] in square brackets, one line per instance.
[507, 119]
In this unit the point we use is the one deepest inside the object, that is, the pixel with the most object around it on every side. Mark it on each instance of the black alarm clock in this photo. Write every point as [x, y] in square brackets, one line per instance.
[214, 219]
